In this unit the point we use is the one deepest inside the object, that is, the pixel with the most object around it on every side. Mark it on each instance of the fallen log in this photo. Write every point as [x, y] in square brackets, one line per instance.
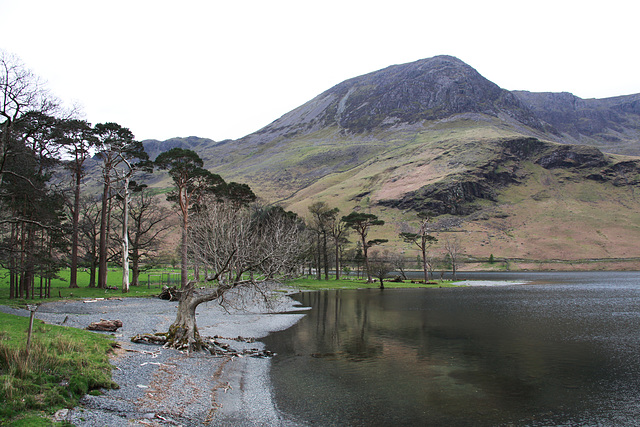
[157, 339]
[105, 325]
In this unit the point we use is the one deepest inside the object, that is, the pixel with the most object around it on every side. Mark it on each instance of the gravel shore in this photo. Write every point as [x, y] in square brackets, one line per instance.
[166, 387]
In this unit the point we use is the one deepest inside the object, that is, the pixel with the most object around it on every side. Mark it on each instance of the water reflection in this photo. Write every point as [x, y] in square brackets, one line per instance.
[529, 355]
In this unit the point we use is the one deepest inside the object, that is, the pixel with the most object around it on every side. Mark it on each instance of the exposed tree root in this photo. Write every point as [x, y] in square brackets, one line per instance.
[211, 344]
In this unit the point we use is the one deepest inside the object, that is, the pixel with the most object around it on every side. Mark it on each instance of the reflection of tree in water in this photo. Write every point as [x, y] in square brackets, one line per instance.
[361, 346]
[452, 357]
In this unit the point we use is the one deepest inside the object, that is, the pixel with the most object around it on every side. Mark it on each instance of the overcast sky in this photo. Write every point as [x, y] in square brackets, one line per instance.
[224, 69]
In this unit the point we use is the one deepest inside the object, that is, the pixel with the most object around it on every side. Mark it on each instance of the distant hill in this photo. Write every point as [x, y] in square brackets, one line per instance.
[534, 176]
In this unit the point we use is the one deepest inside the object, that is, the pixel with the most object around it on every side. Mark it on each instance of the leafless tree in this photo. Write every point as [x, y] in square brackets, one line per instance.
[21, 92]
[149, 223]
[245, 250]
[115, 147]
[380, 265]
[453, 248]
[339, 233]
[423, 240]
[431, 262]
[398, 262]
[322, 219]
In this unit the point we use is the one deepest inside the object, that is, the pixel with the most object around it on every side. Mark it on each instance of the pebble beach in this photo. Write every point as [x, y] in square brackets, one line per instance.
[159, 386]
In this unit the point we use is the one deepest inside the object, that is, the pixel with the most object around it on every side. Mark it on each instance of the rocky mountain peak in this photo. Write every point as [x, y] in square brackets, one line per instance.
[428, 89]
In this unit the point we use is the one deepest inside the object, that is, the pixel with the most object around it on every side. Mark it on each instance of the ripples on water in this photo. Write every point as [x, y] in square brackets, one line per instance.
[560, 351]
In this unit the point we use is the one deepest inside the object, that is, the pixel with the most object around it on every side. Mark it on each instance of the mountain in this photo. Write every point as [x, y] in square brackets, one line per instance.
[611, 124]
[519, 174]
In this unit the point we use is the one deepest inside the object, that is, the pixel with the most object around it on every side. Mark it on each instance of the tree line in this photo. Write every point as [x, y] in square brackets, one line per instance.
[331, 232]
[48, 220]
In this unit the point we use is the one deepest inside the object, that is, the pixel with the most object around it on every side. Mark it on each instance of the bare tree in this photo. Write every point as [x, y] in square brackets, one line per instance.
[453, 248]
[398, 262]
[150, 222]
[380, 265]
[322, 217]
[431, 261]
[21, 92]
[423, 240]
[245, 249]
[339, 233]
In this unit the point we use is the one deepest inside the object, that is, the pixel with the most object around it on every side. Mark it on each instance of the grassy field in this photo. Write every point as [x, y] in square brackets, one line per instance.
[63, 365]
[60, 287]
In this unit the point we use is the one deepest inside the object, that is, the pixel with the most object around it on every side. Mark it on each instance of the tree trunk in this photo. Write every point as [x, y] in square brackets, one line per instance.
[12, 264]
[337, 260]
[183, 333]
[366, 259]
[135, 267]
[125, 237]
[102, 253]
[325, 255]
[424, 263]
[184, 273]
[318, 259]
[92, 274]
[73, 280]
[381, 283]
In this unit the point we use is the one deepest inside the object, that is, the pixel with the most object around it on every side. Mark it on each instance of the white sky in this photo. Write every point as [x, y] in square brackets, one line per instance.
[224, 69]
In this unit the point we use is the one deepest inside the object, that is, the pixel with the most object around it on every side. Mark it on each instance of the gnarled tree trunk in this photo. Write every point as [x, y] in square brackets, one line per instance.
[183, 333]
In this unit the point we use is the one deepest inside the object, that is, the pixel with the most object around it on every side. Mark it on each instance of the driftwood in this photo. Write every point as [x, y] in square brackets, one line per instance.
[105, 325]
[158, 339]
[170, 293]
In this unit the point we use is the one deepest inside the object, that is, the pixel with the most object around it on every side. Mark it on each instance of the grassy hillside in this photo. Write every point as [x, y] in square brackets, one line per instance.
[546, 215]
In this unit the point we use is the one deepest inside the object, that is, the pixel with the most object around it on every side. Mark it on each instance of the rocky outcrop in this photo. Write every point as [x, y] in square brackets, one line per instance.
[458, 194]
[572, 156]
[454, 197]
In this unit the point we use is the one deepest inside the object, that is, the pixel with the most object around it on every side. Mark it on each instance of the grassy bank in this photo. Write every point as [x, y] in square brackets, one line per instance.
[63, 364]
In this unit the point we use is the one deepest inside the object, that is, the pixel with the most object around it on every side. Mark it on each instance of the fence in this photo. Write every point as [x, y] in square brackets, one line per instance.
[164, 278]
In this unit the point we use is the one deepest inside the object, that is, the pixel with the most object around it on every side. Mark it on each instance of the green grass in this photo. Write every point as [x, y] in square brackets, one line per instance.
[60, 288]
[62, 366]
[350, 283]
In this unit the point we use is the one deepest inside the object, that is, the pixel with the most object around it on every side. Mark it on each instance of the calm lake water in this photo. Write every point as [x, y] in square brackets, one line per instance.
[563, 350]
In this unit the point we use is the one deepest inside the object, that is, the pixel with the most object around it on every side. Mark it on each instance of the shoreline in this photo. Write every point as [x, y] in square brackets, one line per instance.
[159, 386]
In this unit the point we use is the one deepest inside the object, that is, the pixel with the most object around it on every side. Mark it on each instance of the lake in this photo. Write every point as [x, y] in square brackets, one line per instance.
[562, 350]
